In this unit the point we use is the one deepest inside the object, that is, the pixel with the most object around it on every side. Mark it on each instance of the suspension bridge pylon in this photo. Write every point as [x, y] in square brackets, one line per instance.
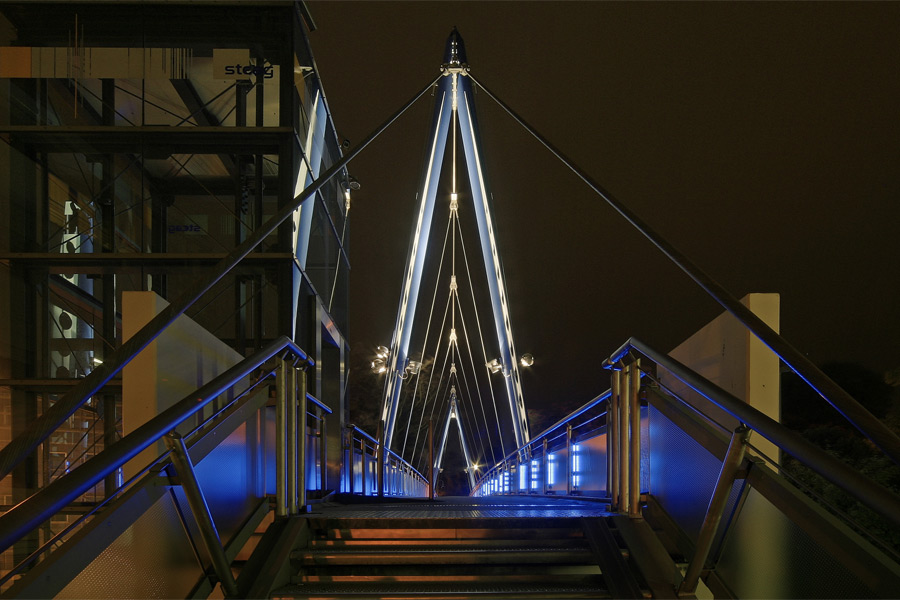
[453, 414]
[454, 103]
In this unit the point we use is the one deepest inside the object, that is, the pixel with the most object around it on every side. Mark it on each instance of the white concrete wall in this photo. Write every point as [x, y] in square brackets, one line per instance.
[179, 361]
[727, 354]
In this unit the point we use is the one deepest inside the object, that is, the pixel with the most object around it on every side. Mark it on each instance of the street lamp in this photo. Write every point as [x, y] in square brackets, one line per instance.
[379, 365]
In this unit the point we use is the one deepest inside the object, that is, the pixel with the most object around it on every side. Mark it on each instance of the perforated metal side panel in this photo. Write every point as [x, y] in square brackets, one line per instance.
[682, 473]
[232, 478]
[152, 559]
[768, 556]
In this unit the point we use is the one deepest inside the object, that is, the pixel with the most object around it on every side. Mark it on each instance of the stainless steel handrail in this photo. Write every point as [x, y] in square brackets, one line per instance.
[314, 400]
[865, 490]
[42, 427]
[511, 457]
[49, 500]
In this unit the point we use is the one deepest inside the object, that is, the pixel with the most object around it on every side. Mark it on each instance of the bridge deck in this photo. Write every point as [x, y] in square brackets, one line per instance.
[372, 511]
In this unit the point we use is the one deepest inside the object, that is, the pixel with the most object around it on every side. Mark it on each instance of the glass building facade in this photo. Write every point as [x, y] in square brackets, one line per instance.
[141, 143]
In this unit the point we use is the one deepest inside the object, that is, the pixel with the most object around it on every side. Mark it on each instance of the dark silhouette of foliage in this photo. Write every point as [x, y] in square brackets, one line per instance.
[809, 414]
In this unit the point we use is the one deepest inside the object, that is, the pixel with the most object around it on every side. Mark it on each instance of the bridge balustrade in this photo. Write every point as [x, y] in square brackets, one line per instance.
[361, 469]
[666, 445]
[195, 505]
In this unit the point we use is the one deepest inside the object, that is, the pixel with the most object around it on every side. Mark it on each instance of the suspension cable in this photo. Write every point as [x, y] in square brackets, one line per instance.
[480, 331]
[472, 426]
[437, 348]
[487, 425]
[484, 414]
[425, 343]
[434, 402]
[473, 417]
[849, 407]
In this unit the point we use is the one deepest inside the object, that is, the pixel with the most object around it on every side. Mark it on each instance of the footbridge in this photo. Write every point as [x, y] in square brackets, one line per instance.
[665, 485]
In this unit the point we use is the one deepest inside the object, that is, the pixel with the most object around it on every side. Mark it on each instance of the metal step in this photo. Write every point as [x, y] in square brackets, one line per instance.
[484, 572]
[378, 590]
[569, 538]
[348, 531]
[460, 550]
[443, 555]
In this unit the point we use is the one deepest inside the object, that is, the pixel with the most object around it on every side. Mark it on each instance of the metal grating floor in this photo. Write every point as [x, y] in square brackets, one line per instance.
[499, 507]
[417, 590]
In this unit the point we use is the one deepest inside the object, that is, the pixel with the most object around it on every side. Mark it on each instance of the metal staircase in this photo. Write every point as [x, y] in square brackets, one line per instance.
[464, 548]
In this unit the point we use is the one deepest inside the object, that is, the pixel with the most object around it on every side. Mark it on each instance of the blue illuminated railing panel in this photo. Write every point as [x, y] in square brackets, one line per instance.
[361, 469]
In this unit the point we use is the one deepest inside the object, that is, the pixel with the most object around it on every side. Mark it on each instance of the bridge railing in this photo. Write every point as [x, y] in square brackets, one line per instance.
[361, 473]
[669, 446]
[189, 512]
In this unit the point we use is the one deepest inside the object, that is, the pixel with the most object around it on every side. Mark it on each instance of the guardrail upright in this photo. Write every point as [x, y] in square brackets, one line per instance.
[282, 388]
[184, 468]
[290, 438]
[733, 457]
[634, 451]
[301, 407]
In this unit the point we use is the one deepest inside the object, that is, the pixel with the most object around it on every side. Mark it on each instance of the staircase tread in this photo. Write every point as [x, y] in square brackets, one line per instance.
[456, 549]
[371, 588]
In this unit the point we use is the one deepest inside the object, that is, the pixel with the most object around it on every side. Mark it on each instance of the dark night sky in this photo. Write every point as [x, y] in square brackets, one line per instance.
[761, 139]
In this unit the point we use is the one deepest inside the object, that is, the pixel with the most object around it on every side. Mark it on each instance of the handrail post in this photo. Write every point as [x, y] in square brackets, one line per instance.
[188, 478]
[545, 466]
[292, 438]
[364, 466]
[379, 460]
[733, 458]
[519, 474]
[431, 459]
[349, 460]
[300, 377]
[612, 440]
[570, 461]
[281, 402]
[624, 441]
[634, 390]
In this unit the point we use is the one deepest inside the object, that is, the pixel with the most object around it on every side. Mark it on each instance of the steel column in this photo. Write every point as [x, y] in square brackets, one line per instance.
[281, 402]
[624, 441]
[612, 440]
[292, 437]
[300, 375]
[634, 481]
